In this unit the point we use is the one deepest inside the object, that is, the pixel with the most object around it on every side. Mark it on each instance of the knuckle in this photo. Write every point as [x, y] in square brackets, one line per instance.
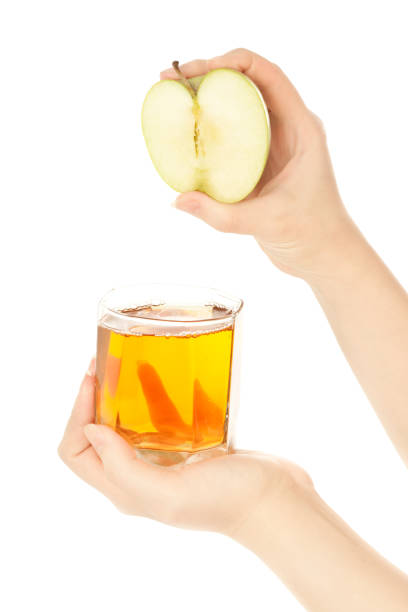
[274, 68]
[62, 452]
[239, 57]
[318, 126]
[242, 51]
[66, 455]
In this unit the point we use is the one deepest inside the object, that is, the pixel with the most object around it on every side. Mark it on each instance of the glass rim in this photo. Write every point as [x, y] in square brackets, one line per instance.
[223, 296]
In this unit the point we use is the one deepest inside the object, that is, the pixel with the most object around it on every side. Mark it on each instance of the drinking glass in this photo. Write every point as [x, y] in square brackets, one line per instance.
[167, 370]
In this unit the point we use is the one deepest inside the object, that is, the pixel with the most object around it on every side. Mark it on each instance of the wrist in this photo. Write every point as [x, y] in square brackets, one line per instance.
[279, 509]
[329, 250]
[343, 260]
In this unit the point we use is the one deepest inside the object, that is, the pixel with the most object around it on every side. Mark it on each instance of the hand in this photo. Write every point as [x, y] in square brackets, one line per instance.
[295, 212]
[267, 505]
[217, 494]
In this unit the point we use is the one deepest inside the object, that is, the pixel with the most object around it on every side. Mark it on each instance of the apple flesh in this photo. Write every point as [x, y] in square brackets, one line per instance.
[210, 133]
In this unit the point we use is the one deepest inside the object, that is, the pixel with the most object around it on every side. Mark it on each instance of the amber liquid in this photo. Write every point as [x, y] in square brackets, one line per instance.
[166, 391]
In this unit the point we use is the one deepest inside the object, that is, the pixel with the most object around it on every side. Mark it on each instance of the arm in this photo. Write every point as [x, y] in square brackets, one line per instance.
[368, 311]
[297, 217]
[269, 505]
[266, 504]
[325, 564]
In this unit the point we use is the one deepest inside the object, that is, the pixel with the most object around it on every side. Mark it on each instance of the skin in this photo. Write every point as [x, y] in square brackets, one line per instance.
[267, 504]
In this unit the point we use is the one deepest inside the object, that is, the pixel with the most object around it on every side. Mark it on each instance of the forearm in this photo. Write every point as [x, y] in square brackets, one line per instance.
[320, 559]
[368, 311]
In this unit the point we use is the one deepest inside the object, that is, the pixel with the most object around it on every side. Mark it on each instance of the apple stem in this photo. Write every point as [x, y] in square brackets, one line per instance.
[183, 79]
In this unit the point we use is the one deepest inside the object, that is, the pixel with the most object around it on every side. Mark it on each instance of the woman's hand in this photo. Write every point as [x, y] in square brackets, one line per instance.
[267, 505]
[297, 217]
[218, 494]
[295, 212]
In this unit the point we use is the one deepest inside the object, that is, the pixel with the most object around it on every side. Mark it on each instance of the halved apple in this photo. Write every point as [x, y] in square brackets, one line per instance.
[209, 133]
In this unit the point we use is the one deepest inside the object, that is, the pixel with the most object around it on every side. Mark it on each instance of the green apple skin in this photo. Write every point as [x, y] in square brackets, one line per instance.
[216, 142]
[196, 81]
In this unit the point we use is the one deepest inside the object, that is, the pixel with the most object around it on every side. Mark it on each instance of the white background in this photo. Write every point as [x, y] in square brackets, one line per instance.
[82, 210]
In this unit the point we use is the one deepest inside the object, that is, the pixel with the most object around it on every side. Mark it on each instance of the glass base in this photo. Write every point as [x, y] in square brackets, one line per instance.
[179, 458]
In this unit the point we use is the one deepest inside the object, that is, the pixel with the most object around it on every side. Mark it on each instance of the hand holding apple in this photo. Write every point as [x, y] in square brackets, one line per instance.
[295, 211]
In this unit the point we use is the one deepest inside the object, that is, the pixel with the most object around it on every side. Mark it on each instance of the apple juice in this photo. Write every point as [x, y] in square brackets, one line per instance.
[166, 391]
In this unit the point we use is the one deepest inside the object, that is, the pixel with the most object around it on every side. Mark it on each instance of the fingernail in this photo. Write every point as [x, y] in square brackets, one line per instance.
[94, 436]
[92, 367]
[176, 202]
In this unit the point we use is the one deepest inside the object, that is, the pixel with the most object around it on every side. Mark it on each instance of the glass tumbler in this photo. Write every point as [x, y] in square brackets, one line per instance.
[167, 370]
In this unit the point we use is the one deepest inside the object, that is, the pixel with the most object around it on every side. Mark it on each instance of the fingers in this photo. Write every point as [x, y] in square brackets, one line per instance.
[74, 449]
[241, 218]
[74, 440]
[190, 69]
[104, 460]
[118, 458]
[152, 491]
[280, 96]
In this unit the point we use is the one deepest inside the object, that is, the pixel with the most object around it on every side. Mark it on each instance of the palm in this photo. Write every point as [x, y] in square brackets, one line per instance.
[218, 494]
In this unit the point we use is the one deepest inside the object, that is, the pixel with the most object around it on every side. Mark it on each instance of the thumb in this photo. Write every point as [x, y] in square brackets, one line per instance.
[116, 454]
[239, 218]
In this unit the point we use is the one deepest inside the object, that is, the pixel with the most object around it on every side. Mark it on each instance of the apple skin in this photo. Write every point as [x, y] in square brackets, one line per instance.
[208, 169]
[195, 82]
